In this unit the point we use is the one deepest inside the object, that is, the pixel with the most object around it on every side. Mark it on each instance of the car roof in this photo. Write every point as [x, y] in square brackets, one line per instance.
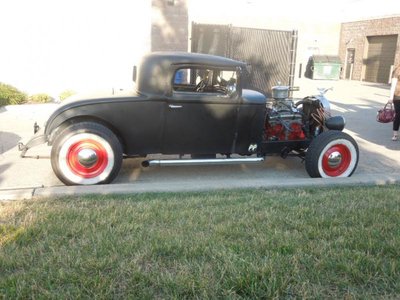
[156, 69]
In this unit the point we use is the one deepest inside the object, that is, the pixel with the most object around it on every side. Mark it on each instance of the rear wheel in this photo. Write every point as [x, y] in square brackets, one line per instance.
[332, 154]
[86, 153]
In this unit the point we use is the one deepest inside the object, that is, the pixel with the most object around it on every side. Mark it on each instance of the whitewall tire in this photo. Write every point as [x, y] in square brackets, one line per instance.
[86, 153]
[332, 154]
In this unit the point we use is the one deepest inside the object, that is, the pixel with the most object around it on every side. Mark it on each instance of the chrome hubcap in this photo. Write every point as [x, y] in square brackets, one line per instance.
[335, 159]
[87, 157]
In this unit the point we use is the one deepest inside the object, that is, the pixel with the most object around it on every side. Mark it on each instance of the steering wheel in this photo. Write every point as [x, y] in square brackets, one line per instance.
[200, 86]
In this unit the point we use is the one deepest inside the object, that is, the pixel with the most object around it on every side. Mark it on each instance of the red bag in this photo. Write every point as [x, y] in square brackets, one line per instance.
[386, 114]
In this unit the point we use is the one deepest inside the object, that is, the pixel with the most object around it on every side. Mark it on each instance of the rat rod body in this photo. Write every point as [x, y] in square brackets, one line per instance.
[192, 104]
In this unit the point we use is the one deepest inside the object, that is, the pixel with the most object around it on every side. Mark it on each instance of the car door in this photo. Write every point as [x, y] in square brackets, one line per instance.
[200, 123]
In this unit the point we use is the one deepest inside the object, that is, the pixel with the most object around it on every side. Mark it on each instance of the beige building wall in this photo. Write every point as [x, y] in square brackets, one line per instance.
[354, 35]
[52, 46]
[169, 25]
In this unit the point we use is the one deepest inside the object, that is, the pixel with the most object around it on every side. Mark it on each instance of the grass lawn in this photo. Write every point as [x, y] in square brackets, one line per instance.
[296, 243]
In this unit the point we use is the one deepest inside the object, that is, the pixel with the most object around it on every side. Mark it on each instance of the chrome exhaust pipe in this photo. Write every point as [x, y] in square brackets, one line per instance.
[198, 162]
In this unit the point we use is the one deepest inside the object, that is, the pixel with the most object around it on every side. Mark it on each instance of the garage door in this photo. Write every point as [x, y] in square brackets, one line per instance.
[380, 57]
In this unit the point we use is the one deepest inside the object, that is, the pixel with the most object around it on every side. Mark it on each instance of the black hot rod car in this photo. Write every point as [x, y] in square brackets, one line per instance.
[192, 104]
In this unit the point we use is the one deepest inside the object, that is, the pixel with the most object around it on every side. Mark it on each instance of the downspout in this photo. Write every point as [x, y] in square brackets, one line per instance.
[292, 66]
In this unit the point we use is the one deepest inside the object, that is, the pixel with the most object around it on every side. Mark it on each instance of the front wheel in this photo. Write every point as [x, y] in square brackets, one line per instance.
[332, 154]
[86, 153]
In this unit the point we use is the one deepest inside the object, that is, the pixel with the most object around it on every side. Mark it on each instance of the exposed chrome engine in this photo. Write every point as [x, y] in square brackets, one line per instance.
[284, 122]
[287, 121]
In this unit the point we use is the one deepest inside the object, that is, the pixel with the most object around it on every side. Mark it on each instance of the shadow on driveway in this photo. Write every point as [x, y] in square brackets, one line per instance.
[3, 168]
[378, 153]
[8, 140]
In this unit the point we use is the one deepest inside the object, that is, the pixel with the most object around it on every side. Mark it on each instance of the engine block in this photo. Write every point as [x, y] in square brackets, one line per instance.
[283, 122]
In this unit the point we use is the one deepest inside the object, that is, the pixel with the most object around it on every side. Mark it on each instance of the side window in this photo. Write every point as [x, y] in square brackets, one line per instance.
[204, 80]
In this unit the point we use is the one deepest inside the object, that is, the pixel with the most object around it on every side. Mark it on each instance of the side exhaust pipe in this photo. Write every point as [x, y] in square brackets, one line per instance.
[198, 162]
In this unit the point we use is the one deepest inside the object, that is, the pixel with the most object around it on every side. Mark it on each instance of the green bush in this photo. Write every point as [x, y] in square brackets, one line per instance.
[65, 94]
[40, 98]
[11, 95]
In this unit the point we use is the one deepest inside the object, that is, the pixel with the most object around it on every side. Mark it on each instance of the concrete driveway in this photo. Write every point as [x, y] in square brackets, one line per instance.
[356, 101]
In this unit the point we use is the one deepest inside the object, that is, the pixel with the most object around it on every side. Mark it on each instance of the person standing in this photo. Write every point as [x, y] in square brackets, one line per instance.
[395, 99]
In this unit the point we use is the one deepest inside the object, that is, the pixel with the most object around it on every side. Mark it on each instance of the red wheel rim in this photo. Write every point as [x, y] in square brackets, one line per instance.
[336, 160]
[93, 169]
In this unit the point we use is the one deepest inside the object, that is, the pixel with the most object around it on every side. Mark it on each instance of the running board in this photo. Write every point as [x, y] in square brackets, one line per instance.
[198, 162]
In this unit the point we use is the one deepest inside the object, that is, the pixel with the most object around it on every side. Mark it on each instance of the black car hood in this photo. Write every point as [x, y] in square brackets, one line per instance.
[253, 97]
[88, 100]
[98, 95]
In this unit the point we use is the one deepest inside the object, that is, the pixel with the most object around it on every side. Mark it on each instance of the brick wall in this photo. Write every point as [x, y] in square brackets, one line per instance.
[169, 29]
[354, 35]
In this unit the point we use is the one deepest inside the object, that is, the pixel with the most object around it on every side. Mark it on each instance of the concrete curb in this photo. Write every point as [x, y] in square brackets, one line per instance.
[189, 186]
[17, 194]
